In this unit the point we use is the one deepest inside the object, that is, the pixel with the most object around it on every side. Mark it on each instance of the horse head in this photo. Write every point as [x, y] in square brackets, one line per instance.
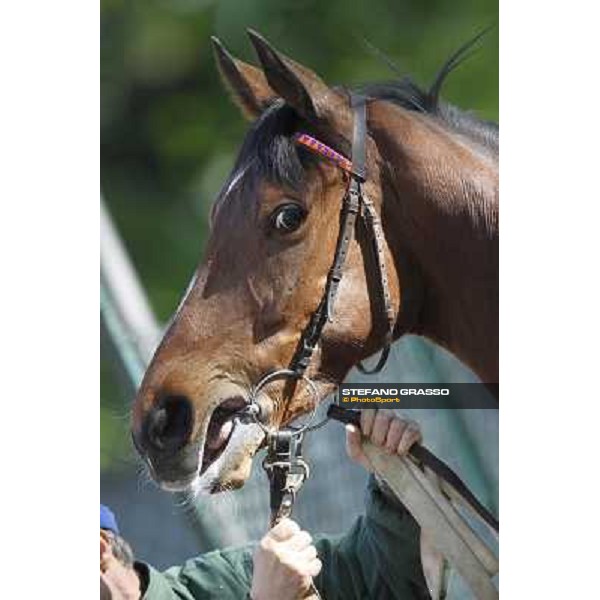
[273, 235]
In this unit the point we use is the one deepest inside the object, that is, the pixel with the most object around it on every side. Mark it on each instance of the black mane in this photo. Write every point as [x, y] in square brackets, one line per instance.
[404, 92]
[409, 95]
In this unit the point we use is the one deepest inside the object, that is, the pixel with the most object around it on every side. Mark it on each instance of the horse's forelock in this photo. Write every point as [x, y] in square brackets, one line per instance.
[268, 153]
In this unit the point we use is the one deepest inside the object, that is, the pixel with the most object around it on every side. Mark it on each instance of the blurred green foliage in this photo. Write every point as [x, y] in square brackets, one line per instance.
[170, 134]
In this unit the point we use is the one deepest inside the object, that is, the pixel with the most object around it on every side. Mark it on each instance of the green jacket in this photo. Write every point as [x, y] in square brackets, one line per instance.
[378, 558]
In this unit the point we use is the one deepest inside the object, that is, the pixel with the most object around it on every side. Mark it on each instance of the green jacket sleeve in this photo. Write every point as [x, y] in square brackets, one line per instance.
[225, 574]
[379, 559]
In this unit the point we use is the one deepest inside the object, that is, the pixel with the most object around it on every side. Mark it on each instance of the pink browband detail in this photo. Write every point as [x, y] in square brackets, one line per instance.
[329, 153]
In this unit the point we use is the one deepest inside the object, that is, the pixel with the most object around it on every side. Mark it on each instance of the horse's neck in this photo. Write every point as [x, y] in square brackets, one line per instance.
[441, 201]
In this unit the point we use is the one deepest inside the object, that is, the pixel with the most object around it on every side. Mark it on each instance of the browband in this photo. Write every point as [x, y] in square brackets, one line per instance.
[325, 151]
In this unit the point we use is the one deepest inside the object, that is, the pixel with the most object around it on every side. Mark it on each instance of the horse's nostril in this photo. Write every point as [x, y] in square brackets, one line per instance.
[169, 425]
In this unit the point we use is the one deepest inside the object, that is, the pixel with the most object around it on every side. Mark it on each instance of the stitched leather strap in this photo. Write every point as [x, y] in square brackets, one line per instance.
[353, 202]
[375, 230]
[312, 332]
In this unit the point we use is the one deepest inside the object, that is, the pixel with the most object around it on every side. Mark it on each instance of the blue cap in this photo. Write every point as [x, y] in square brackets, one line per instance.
[108, 519]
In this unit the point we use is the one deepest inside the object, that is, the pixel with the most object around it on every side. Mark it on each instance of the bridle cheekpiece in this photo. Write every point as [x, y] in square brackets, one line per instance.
[355, 203]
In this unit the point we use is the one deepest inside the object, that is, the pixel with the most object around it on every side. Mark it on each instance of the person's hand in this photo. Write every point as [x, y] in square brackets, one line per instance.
[395, 435]
[285, 562]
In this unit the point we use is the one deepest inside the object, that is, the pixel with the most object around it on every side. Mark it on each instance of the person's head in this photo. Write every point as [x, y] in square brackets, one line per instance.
[112, 545]
[118, 578]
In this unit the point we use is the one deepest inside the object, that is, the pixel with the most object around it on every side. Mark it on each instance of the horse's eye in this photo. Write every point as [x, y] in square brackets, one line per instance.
[288, 218]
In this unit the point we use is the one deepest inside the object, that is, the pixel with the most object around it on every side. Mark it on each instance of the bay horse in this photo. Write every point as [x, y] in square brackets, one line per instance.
[433, 180]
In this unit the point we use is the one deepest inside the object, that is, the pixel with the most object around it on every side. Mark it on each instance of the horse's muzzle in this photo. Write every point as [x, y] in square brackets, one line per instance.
[164, 441]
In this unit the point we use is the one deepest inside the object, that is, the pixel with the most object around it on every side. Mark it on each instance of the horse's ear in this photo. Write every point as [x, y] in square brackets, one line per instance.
[297, 85]
[247, 84]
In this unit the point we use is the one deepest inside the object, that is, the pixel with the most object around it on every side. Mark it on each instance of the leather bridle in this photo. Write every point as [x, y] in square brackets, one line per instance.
[355, 203]
[287, 476]
[284, 464]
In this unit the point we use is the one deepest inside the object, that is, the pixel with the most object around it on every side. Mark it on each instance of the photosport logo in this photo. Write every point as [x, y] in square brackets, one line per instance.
[418, 395]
